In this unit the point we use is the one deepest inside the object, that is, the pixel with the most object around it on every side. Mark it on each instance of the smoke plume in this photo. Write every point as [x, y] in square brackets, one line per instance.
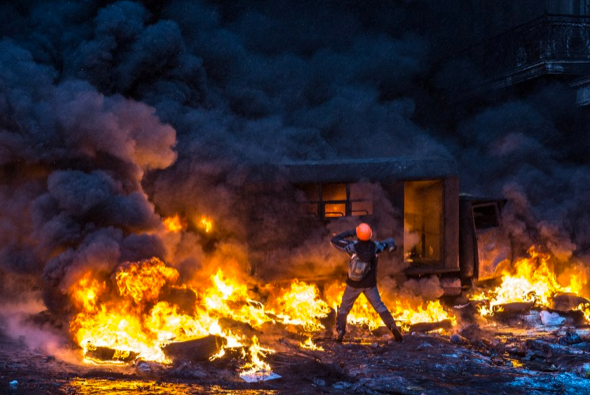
[115, 114]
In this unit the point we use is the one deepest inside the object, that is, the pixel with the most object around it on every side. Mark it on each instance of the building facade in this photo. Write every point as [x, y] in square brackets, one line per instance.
[525, 41]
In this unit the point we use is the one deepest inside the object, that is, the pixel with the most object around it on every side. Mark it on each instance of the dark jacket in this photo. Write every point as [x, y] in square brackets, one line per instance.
[367, 251]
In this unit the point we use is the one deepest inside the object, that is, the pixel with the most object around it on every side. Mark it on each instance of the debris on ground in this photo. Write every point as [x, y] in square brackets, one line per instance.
[483, 357]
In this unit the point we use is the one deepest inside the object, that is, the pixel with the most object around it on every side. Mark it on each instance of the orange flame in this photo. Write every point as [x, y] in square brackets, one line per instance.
[532, 279]
[310, 345]
[407, 312]
[206, 224]
[123, 324]
[141, 316]
[257, 367]
[174, 224]
[142, 281]
[300, 304]
[86, 291]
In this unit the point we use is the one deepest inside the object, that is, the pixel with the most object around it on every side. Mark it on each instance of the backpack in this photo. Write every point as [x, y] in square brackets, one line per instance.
[357, 268]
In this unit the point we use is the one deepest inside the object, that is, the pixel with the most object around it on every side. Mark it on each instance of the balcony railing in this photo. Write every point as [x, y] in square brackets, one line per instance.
[561, 40]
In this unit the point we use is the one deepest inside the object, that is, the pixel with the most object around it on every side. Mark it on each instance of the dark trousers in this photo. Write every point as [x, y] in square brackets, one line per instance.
[349, 297]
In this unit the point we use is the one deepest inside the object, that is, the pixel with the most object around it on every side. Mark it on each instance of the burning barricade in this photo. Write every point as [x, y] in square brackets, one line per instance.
[153, 318]
[141, 312]
[531, 284]
[146, 311]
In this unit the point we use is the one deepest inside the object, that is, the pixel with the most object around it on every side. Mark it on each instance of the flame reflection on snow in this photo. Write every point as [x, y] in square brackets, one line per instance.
[257, 369]
[112, 387]
[261, 375]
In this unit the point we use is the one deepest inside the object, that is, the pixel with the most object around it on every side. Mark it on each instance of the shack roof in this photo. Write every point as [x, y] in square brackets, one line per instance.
[351, 170]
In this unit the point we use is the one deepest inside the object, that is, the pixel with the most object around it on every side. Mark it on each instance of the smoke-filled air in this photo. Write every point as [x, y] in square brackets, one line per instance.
[129, 131]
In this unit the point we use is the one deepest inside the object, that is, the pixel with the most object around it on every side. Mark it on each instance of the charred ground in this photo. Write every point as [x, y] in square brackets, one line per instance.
[515, 356]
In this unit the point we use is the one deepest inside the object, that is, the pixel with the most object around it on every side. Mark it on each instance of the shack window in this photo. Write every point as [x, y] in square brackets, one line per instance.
[423, 221]
[333, 192]
[332, 200]
[486, 216]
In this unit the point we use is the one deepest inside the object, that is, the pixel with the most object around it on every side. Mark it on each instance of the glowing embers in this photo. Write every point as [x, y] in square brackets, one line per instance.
[530, 281]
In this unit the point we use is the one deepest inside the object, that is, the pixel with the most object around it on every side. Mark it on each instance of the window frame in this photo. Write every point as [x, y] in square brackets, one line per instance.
[498, 217]
[321, 203]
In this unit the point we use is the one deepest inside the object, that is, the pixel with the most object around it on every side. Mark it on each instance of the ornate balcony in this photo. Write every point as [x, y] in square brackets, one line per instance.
[549, 45]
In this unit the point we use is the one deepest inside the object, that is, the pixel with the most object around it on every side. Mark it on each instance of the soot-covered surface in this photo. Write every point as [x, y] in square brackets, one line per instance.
[487, 359]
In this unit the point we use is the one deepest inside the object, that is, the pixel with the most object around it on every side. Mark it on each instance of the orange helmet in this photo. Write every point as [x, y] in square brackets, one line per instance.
[364, 232]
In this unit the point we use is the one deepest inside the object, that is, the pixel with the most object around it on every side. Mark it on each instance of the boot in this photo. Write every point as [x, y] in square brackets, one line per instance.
[340, 327]
[396, 333]
[389, 322]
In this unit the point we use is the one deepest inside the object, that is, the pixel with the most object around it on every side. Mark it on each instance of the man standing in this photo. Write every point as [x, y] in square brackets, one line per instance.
[362, 276]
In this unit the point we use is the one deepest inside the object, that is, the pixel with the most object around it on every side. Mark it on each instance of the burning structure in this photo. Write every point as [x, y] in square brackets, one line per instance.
[141, 307]
[416, 200]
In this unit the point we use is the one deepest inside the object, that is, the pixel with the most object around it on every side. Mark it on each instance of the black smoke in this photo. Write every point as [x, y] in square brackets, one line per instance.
[114, 114]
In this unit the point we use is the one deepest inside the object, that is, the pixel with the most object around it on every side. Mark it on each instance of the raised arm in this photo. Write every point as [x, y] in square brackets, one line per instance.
[388, 244]
[341, 242]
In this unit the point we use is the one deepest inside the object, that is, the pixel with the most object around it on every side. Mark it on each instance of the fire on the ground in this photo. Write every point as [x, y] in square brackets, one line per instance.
[142, 307]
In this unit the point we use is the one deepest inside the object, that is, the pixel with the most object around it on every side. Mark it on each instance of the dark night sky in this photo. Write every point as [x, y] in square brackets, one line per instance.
[119, 103]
